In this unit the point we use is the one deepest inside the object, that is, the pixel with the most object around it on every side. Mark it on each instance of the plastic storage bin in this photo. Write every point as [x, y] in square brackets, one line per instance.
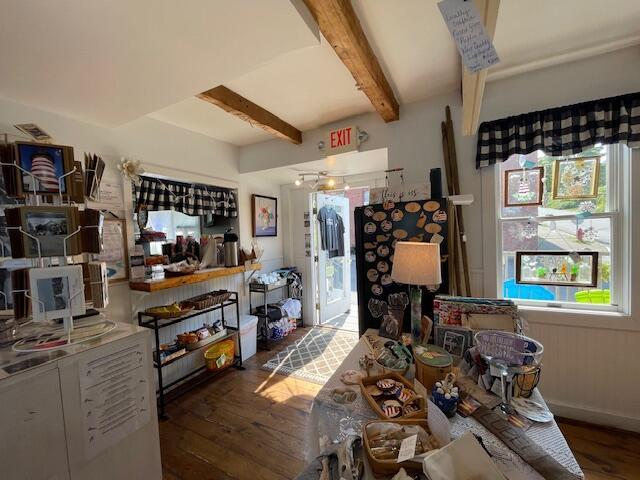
[248, 335]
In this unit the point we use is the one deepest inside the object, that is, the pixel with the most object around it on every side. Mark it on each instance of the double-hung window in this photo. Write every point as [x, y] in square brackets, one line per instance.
[563, 229]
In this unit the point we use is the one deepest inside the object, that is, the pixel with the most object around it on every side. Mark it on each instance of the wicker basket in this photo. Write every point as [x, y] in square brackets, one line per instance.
[208, 299]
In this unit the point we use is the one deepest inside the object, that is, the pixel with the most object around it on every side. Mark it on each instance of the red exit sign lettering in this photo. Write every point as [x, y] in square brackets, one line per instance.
[342, 140]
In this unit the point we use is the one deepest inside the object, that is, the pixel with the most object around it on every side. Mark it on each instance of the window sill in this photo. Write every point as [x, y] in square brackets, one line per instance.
[579, 318]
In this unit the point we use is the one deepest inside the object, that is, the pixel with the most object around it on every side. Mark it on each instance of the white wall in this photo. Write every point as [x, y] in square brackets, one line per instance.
[590, 369]
[162, 149]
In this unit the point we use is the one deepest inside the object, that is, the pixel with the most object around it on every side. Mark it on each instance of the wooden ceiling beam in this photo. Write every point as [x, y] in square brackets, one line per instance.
[473, 83]
[254, 114]
[339, 24]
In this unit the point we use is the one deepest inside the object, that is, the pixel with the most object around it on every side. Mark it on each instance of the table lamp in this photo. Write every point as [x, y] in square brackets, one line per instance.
[416, 264]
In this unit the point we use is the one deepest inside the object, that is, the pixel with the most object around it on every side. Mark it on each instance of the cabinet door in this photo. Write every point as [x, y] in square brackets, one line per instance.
[32, 437]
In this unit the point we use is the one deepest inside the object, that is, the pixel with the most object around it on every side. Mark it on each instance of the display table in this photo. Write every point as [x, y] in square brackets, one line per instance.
[329, 421]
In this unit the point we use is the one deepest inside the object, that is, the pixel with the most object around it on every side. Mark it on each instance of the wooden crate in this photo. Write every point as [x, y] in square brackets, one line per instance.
[421, 413]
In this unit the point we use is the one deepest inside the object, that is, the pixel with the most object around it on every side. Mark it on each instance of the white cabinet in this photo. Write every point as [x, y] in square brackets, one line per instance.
[32, 439]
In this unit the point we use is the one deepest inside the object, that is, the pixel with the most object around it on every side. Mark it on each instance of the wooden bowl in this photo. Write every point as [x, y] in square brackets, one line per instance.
[153, 312]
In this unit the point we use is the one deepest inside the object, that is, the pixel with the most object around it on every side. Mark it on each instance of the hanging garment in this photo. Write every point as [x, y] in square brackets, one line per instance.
[339, 252]
[331, 232]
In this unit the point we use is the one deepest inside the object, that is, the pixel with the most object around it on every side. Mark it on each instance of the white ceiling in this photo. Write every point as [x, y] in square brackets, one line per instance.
[111, 61]
[311, 87]
[345, 165]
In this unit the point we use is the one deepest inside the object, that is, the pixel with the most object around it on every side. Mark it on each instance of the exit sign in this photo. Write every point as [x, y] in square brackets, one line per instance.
[342, 140]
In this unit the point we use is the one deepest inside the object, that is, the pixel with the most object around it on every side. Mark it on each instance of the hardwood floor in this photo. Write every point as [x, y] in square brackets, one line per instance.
[250, 424]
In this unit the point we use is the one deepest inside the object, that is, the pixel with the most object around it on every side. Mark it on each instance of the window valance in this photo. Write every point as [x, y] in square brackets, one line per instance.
[187, 198]
[561, 131]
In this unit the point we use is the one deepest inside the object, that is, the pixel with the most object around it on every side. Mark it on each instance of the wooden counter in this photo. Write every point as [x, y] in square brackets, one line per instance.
[201, 276]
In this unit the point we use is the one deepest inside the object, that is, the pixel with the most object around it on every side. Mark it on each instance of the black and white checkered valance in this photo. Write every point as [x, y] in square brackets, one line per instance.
[190, 199]
[561, 131]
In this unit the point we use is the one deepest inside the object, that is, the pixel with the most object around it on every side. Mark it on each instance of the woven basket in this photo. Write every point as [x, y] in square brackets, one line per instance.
[208, 299]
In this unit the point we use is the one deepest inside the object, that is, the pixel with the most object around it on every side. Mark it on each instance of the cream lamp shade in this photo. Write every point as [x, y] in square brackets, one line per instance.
[416, 263]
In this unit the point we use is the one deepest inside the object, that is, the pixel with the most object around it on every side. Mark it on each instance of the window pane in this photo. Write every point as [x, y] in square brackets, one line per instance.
[579, 234]
[577, 176]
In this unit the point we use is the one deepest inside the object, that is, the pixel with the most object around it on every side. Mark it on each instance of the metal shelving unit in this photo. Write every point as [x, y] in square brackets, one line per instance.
[263, 319]
[175, 388]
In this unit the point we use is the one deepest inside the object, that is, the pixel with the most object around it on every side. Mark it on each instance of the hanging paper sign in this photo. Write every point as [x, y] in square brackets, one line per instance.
[401, 193]
[467, 29]
[342, 140]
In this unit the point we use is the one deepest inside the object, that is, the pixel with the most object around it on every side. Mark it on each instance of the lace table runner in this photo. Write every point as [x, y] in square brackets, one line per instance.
[330, 421]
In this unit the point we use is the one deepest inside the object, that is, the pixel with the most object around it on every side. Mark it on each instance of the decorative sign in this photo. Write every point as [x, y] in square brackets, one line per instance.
[572, 269]
[467, 29]
[575, 178]
[342, 140]
[523, 187]
[401, 193]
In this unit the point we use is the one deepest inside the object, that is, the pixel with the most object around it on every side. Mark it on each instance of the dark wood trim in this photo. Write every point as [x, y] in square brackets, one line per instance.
[248, 111]
[339, 24]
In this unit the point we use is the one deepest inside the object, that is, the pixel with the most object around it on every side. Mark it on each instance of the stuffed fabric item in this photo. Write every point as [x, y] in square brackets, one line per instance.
[462, 459]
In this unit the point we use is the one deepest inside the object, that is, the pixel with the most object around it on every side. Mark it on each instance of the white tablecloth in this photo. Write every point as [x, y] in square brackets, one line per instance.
[330, 421]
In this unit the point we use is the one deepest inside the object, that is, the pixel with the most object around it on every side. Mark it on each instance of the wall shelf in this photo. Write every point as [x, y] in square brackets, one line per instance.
[201, 276]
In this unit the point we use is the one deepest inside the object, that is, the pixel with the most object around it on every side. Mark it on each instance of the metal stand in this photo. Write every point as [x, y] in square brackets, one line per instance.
[180, 385]
[263, 318]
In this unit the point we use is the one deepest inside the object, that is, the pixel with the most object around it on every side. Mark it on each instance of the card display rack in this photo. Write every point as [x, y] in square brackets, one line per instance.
[34, 198]
[173, 389]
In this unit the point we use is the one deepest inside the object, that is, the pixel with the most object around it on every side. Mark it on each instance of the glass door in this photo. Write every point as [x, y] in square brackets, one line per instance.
[333, 255]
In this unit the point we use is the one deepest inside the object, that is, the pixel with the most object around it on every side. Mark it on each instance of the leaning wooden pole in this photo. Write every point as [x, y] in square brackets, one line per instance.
[453, 161]
[454, 269]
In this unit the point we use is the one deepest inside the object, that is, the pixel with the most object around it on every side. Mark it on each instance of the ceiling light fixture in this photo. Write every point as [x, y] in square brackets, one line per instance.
[346, 185]
[331, 182]
[298, 182]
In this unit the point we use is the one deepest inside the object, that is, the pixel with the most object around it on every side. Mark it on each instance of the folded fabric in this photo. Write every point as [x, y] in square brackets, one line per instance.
[462, 459]
[292, 307]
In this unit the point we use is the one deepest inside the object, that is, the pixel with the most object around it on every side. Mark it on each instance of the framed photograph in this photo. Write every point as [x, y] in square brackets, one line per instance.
[564, 268]
[50, 225]
[264, 216]
[576, 178]
[523, 187]
[46, 163]
[453, 338]
[52, 290]
[115, 252]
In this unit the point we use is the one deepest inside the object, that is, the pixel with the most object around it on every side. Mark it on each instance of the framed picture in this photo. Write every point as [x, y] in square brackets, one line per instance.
[46, 163]
[264, 216]
[52, 289]
[115, 252]
[571, 269]
[50, 225]
[575, 178]
[34, 131]
[523, 187]
[453, 338]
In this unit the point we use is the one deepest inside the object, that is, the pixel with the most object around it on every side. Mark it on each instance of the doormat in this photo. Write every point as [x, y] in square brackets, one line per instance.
[315, 356]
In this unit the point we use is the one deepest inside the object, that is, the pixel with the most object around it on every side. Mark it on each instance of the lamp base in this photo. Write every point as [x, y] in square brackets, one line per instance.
[416, 314]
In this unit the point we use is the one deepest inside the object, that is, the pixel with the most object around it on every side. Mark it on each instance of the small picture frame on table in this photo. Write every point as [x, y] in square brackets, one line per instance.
[455, 339]
[56, 292]
[264, 216]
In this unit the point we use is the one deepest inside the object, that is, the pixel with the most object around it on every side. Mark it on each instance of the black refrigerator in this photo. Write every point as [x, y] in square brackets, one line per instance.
[378, 228]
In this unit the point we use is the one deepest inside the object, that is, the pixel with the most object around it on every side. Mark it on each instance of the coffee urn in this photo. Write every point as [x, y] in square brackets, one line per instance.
[230, 249]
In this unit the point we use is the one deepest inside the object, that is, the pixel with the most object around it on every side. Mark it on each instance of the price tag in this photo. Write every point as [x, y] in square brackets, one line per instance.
[407, 448]
[220, 361]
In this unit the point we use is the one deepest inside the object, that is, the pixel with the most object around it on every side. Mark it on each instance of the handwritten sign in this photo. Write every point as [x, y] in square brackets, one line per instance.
[467, 29]
[402, 193]
[342, 140]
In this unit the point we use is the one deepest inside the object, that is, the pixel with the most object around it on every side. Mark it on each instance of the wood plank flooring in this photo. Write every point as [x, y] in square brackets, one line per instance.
[249, 425]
